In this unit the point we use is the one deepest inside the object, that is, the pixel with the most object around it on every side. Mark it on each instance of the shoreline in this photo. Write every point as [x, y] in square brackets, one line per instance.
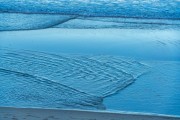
[13, 113]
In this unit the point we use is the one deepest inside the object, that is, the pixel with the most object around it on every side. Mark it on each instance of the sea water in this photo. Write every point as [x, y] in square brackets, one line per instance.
[115, 55]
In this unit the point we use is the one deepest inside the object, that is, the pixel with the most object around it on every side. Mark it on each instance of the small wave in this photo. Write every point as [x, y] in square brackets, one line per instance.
[116, 8]
[19, 21]
[83, 14]
[119, 22]
[13, 21]
[71, 80]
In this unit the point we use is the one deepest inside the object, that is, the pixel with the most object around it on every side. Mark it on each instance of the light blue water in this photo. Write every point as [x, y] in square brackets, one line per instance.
[91, 54]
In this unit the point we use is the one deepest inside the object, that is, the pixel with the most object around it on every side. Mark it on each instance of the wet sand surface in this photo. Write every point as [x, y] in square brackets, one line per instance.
[50, 114]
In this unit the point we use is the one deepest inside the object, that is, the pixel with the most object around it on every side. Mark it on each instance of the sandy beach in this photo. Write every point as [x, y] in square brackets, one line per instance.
[9, 113]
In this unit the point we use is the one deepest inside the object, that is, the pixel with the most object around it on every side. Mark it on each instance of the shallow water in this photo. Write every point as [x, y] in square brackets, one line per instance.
[156, 92]
[79, 68]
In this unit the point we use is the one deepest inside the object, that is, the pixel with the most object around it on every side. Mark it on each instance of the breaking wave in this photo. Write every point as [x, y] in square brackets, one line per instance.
[37, 14]
[40, 79]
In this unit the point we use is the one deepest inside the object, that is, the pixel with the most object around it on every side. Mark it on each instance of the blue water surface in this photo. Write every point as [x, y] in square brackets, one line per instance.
[91, 54]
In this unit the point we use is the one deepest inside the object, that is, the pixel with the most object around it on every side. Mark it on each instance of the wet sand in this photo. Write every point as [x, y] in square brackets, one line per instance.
[8, 113]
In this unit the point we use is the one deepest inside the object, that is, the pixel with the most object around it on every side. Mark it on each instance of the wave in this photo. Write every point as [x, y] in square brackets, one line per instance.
[127, 8]
[19, 21]
[30, 21]
[40, 79]
[119, 22]
[83, 14]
